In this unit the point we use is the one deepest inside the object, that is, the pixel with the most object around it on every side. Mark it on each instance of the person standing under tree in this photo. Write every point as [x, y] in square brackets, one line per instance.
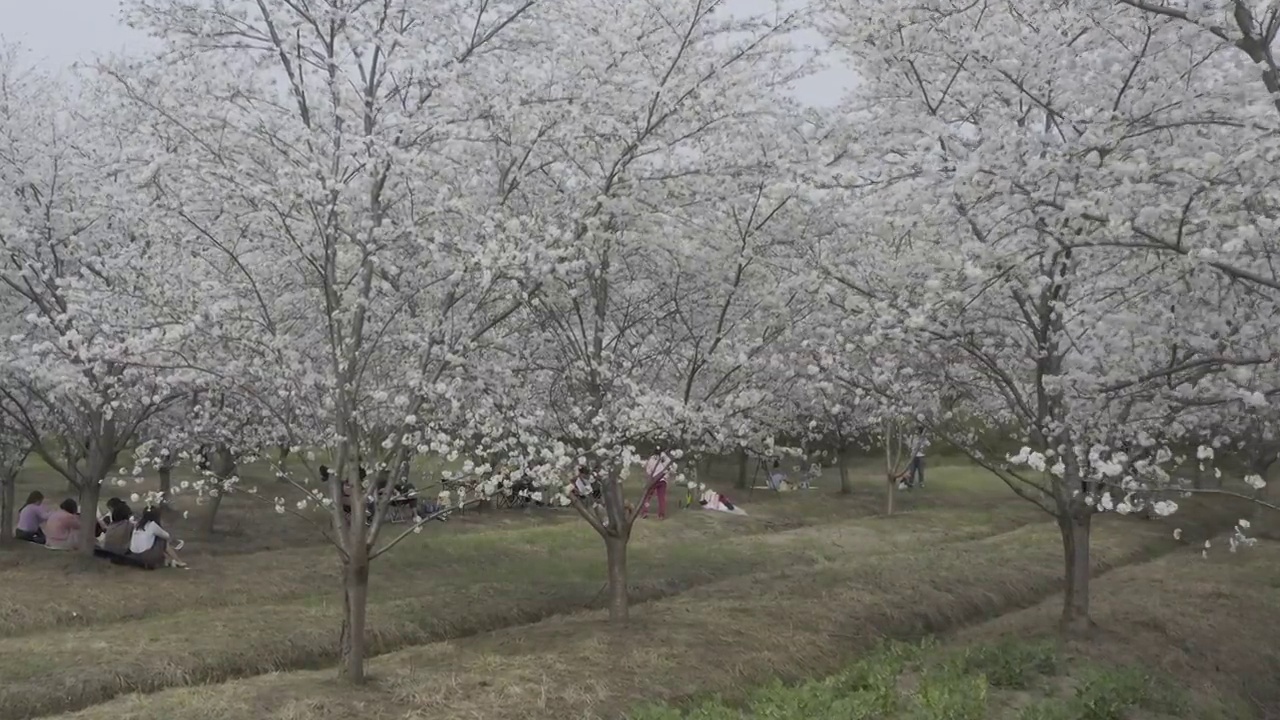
[656, 471]
[915, 472]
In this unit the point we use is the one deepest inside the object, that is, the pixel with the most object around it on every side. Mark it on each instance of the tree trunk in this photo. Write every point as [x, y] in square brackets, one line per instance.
[355, 599]
[741, 482]
[282, 462]
[8, 504]
[211, 520]
[1075, 528]
[166, 485]
[89, 493]
[846, 482]
[224, 466]
[1268, 470]
[891, 497]
[616, 550]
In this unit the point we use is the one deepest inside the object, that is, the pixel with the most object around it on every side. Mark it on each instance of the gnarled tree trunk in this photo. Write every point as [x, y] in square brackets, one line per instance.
[741, 481]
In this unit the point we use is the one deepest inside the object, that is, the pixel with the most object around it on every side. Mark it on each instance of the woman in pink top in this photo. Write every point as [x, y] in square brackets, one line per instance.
[656, 471]
[32, 515]
[62, 529]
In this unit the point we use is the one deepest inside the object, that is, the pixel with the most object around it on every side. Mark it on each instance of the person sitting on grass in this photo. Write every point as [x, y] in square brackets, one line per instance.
[30, 519]
[522, 491]
[586, 487]
[62, 529]
[152, 545]
[778, 478]
[431, 509]
[119, 531]
[712, 500]
[104, 520]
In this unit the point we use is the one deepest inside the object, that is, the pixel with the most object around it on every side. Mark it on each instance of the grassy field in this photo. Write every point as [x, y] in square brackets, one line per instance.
[1178, 637]
[495, 615]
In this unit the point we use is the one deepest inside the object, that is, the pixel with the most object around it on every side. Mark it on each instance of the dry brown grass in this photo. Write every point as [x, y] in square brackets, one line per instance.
[725, 638]
[467, 585]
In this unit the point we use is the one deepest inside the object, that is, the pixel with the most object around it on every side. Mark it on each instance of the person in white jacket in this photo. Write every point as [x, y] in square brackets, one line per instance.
[152, 545]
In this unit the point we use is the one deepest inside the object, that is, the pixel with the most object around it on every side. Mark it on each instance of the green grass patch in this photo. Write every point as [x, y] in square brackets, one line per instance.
[1011, 664]
[1009, 680]
[452, 587]
[1111, 693]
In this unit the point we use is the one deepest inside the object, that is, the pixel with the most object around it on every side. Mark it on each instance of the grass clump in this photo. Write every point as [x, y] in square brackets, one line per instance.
[1054, 709]
[921, 682]
[949, 692]
[1111, 693]
[1012, 665]
[1114, 693]
[866, 690]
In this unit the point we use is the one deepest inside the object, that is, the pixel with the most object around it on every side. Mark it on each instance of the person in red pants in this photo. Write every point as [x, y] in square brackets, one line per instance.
[657, 469]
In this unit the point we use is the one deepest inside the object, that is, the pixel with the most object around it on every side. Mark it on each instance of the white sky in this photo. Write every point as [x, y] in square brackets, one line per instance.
[57, 33]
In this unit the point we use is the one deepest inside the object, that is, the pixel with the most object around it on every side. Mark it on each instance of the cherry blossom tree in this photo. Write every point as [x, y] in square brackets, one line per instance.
[650, 164]
[1013, 162]
[1240, 34]
[865, 393]
[736, 297]
[78, 268]
[316, 161]
[1245, 32]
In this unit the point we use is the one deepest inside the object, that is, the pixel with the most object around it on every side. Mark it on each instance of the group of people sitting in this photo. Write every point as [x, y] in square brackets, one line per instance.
[404, 499]
[120, 535]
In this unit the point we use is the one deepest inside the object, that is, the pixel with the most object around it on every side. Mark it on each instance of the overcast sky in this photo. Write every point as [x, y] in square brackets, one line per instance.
[57, 33]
